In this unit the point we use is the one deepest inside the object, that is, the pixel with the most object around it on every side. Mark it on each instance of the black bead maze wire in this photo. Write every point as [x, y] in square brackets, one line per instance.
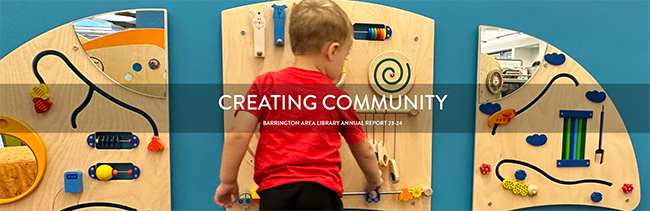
[531, 166]
[91, 89]
[98, 204]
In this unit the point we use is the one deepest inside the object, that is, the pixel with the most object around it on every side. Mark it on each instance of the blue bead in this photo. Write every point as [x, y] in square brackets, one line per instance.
[137, 67]
[520, 175]
[596, 196]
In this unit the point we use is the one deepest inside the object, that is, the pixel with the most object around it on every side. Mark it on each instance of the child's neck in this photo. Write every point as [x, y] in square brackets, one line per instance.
[309, 62]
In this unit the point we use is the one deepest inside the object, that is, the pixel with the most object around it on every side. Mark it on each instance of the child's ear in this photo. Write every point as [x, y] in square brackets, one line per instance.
[332, 49]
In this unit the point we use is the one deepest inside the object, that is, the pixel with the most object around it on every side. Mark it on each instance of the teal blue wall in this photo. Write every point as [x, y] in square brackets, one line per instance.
[611, 39]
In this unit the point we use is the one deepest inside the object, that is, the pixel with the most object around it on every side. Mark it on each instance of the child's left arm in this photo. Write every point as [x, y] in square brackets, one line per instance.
[234, 148]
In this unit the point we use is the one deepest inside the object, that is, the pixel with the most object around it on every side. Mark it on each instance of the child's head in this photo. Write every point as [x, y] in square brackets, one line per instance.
[321, 28]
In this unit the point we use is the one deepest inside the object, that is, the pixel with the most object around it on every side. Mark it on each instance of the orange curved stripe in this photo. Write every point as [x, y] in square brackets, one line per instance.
[130, 37]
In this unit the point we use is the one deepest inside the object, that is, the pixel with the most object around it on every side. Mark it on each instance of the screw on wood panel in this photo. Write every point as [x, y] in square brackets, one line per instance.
[416, 38]
[413, 203]
[246, 208]
[489, 203]
[75, 48]
[627, 200]
[242, 32]
[545, 64]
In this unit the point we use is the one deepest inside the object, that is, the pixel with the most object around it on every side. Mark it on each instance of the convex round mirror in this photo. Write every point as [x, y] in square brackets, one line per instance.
[507, 61]
[22, 159]
[129, 47]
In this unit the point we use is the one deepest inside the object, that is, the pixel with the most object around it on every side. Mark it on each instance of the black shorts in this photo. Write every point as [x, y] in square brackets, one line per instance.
[300, 196]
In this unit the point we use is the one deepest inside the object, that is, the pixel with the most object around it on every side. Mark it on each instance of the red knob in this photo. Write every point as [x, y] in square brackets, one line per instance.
[115, 172]
[130, 172]
[485, 168]
[627, 188]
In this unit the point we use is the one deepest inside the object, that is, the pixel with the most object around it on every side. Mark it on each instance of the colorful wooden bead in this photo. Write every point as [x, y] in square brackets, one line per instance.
[485, 168]
[41, 105]
[520, 175]
[508, 184]
[532, 190]
[627, 188]
[417, 192]
[405, 195]
[596, 197]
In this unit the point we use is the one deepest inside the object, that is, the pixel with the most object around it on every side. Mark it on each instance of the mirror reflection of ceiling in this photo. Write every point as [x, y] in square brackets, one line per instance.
[518, 56]
[18, 167]
[129, 47]
[99, 26]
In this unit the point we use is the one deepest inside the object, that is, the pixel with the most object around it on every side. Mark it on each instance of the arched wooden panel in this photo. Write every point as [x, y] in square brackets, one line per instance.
[561, 86]
[65, 67]
[413, 35]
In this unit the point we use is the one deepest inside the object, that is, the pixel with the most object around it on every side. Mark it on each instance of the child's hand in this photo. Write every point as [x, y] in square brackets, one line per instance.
[374, 185]
[225, 193]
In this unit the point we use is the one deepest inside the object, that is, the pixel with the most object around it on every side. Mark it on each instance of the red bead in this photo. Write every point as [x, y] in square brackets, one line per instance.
[129, 141]
[130, 172]
[155, 144]
[485, 168]
[627, 188]
[41, 105]
[115, 172]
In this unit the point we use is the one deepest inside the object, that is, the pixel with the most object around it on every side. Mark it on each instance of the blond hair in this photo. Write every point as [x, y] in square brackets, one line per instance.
[316, 22]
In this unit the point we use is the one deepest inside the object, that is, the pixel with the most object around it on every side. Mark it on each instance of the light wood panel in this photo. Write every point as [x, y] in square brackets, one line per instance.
[413, 153]
[619, 164]
[66, 147]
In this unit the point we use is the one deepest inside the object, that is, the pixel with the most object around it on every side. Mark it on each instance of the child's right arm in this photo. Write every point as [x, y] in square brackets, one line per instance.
[234, 148]
[367, 161]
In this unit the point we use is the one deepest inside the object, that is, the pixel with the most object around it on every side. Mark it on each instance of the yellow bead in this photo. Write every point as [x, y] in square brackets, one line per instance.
[524, 189]
[507, 184]
[516, 189]
[104, 172]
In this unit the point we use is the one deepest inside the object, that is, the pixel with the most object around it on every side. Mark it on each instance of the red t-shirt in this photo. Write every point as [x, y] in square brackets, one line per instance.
[295, 144]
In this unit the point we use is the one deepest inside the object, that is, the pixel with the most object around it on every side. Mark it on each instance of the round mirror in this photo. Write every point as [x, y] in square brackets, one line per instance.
[129, 47]
[22, 159]
[18, 167]
[507, 61]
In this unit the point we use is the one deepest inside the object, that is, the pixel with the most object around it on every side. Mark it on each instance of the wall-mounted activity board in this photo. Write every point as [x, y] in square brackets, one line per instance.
[392, 54]
[546, 132]
[85, 114]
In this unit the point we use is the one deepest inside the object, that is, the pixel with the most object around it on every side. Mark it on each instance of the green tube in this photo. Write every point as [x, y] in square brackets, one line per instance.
[565, 138]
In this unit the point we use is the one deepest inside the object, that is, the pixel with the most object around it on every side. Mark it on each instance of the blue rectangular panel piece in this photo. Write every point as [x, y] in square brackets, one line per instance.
[279, 18]
[576, 114]
[150, 19]
[73, 182]
[573, 163]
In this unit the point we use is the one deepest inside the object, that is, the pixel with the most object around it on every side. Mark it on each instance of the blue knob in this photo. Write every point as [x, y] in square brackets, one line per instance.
[596, 196]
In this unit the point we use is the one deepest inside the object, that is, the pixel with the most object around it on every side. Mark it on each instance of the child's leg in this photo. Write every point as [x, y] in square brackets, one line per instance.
[300, 196]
